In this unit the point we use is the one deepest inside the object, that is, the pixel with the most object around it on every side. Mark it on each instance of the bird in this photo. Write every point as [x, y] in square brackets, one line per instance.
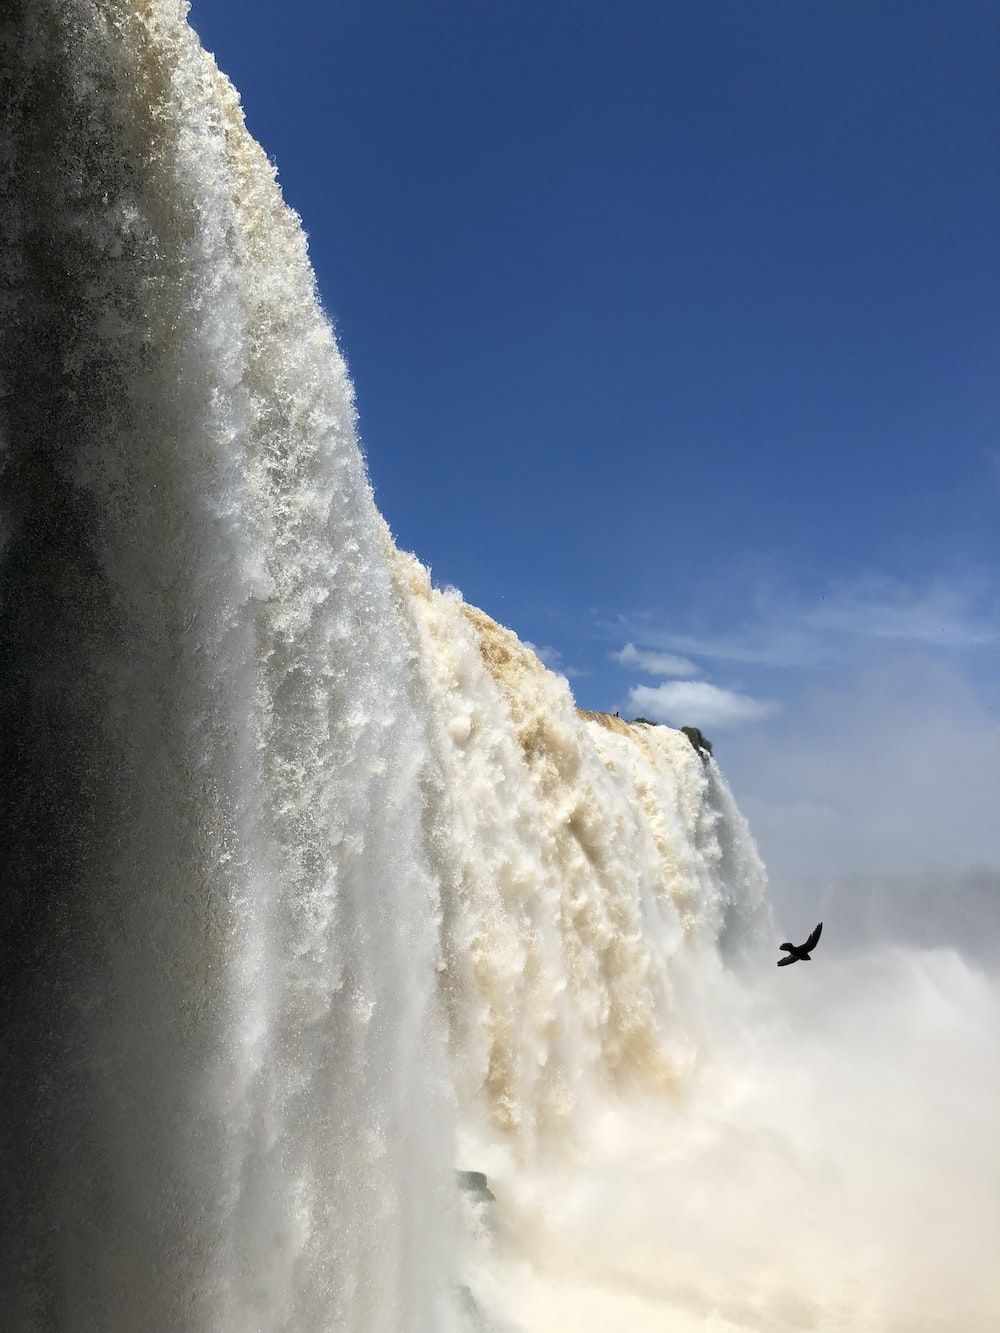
[799, 953]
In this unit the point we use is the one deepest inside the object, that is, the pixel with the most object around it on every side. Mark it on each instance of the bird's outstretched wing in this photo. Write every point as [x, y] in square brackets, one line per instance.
[789, 958]
[813, 939]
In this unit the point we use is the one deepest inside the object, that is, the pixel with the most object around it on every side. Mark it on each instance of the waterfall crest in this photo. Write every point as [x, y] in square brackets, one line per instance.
[317, 882]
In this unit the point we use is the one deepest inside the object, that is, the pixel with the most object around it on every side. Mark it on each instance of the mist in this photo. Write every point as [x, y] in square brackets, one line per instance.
[834, 1163]
[833, 1168]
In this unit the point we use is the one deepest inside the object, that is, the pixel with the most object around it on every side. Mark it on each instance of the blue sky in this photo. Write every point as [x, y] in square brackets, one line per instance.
[675, 325]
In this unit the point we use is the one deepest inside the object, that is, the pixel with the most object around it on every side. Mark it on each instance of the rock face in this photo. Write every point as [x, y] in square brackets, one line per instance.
[475, 1184]
[700, 742]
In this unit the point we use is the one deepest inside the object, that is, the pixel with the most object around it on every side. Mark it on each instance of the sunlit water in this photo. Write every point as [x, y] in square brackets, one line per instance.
[318, 886]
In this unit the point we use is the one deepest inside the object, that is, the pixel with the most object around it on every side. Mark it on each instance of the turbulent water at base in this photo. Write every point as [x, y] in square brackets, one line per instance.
[317, 887]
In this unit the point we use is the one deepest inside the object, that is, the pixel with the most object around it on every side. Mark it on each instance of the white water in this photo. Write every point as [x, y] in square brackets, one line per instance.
[319, 885]
[231, 1066]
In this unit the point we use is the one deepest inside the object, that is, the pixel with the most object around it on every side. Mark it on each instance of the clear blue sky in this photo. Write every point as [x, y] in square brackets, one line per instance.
[676, 324]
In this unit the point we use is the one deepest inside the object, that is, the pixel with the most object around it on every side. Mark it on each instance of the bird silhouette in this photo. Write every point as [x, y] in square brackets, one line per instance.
[799, 953]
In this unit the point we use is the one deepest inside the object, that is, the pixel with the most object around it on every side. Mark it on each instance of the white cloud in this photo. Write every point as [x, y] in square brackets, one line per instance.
[790, 631]
[553, 659]
[885, 758]
[893, 767]
[765, 645]
[942, 613]
[546, 654]
[698, 703]
[655, 664]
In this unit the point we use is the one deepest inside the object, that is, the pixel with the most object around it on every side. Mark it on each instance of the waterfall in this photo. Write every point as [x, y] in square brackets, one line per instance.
[219, 941]
[591, 869]
[318, 885]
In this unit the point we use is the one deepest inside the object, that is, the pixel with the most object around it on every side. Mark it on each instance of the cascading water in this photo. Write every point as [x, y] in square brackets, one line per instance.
[224, 1070]
[586, 864]
[317, 885]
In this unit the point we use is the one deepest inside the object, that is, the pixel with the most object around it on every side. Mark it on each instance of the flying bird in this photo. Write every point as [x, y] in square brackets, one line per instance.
[799, 953]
